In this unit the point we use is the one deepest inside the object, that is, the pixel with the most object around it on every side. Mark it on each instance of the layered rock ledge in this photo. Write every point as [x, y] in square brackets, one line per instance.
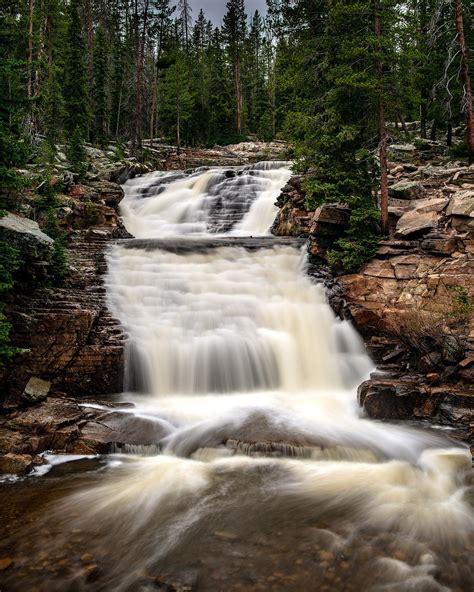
[418, 272]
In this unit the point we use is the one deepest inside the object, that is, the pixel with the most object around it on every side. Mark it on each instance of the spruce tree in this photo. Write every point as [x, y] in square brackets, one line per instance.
[75, 88]
[234, 31]
[100, 84]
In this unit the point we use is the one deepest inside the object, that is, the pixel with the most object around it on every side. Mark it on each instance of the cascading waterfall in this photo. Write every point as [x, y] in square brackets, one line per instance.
[236, 354]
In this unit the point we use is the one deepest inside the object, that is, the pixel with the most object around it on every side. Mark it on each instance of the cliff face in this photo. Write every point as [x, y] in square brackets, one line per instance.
[71, 342]
[415, 279]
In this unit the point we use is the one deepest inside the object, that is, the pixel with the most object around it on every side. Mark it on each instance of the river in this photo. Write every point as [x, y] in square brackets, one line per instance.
[265, 474]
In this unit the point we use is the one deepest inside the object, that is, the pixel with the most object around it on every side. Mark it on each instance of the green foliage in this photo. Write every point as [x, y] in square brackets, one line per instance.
[119, 152]
[463, 304]
[10, 262]
[46, 155]
[360, 243]
[99, 87]
[77, 154]
[14, 152]
[48, 202]
[75, 89]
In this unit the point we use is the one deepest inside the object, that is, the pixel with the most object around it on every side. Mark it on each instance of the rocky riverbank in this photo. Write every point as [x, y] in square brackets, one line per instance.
[421, 278]
[72, 348]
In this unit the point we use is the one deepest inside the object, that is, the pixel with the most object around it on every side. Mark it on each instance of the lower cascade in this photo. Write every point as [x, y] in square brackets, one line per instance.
[265, 474]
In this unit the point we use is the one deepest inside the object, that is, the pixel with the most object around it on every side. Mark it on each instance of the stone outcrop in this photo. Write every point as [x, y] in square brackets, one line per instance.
[68, 426]
[69, 339]
[421, 267]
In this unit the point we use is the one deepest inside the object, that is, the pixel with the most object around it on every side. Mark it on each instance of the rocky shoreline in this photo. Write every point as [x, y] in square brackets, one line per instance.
[73, 349]
[57, 393]
[415, 277]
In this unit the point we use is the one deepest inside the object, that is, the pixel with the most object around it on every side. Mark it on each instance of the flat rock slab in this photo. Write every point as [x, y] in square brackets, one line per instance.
[11, 223]
[415, 222]
[462, 204]
[183, 245]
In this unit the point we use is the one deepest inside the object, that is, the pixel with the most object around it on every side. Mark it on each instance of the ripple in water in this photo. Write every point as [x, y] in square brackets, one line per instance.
[268, 477]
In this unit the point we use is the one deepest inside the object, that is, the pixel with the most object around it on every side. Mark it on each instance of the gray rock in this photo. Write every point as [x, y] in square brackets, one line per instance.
[402, 148]
[436, 204]
[415, 222]
[462, 204]
[11, 223]
[407, 190]
[36, 390]
[35, 246]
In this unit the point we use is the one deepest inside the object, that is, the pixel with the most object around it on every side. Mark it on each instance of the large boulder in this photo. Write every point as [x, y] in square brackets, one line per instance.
[330, 220]
[36, 390]
[461, 211]
[26, 235]
[415, 223]
[407, 190]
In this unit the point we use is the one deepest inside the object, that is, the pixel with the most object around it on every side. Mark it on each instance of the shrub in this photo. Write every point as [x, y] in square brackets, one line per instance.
[77, 154]
[10, 261]
[445, 330]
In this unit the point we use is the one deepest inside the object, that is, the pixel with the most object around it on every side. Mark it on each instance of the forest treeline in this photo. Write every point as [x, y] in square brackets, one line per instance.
[129, 69]
[333, 77]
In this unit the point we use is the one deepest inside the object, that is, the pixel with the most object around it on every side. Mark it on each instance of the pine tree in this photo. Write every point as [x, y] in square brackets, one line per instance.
[100, 84]
[75, 88]
[234, 31]
[178, 98]
[185, 21]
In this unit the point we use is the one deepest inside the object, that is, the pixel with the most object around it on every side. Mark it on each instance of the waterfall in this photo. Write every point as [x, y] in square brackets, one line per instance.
[269, 476]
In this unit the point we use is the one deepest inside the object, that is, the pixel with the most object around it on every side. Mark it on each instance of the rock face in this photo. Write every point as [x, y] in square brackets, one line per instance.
[425, 262]
[65, 426]
[72, 343]
[72, 340]
[404, 399]
[20, 230]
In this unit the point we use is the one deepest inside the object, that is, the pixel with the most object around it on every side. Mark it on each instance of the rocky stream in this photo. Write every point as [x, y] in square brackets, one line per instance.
[205, 405]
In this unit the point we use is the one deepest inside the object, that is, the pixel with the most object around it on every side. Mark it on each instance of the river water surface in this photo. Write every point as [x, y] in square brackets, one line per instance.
[266, 475]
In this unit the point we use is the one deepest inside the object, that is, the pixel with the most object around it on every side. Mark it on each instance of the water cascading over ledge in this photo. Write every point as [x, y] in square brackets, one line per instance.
[236, 357]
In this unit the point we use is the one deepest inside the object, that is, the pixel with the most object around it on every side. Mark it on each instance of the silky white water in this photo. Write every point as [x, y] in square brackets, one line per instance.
[238, 358]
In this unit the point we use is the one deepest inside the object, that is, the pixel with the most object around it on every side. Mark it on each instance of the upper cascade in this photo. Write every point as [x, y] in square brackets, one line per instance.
[237, 201]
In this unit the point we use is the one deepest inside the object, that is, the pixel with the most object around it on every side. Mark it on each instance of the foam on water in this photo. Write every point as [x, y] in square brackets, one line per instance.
[238, 353]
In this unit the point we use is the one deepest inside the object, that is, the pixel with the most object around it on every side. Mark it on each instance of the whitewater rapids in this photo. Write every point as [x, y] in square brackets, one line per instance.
[267, 475]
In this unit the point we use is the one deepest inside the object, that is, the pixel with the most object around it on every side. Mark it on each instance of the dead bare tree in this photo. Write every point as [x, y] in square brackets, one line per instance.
[466, 78]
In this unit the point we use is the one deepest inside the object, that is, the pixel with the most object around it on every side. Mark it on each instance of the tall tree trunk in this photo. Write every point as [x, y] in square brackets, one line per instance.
[31, 5]
[137, 136]
[238, 95]
[449, 135]
[178, 127]
[466, 78]
[382, 129]
[425, 94]
[89, 33]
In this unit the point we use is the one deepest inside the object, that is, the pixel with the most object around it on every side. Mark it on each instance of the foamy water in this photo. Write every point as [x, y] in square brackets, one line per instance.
[239, 356]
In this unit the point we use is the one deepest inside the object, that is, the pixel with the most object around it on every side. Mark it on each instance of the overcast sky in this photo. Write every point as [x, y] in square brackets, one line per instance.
[215, 9]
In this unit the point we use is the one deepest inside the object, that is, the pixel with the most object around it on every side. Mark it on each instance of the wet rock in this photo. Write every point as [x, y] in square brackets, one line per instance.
[5, 563]
[396, 398]
[36, 390]
[12, 463]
